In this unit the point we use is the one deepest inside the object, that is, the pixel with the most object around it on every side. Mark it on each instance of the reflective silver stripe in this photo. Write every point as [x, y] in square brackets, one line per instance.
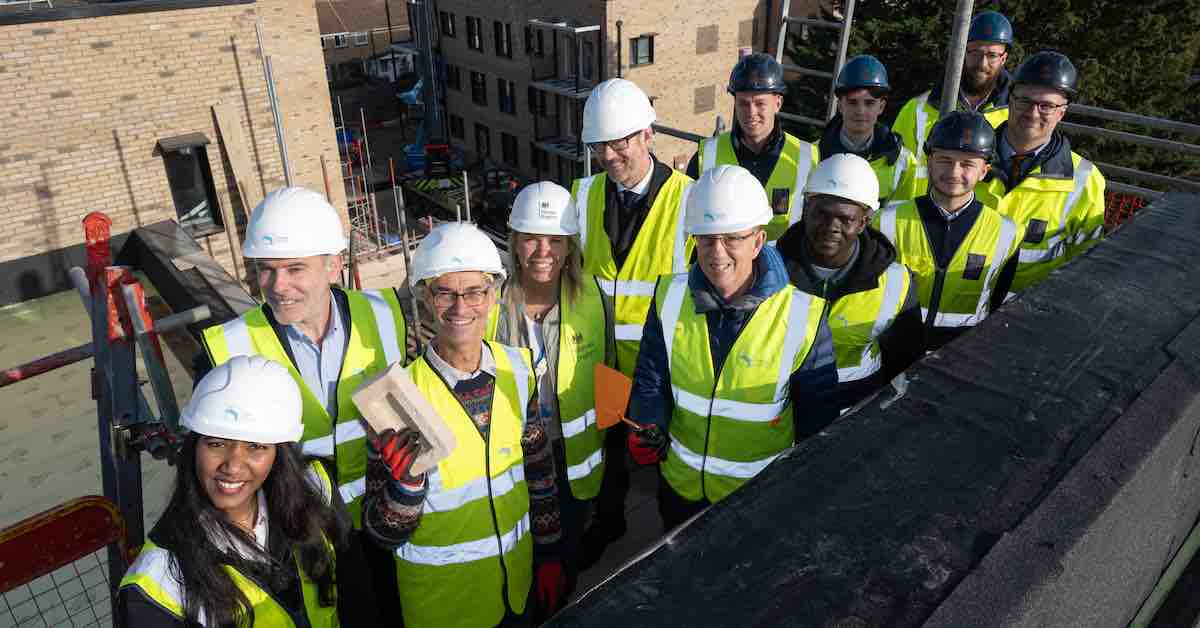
[865, 368]
[155, 564]
[950, 320]
[803, 166]
[578, 425]
[922, 172]
[728, 408]
[710, 154]
[385, 321]
[470, 551]
[796, 332]
[582, 469]
[887, 223]
[1004, 244]
[719, 466]
[439, 500]
[1035, 256]
[352, 490]
[237, 337]
[1081, 178]
[898, 169]
[919, 122]
[627, 287]
[521, 374]
[670, 314]
[342, 433]
[581, 205]
[679, 263]
[892, 296]
[630, 333]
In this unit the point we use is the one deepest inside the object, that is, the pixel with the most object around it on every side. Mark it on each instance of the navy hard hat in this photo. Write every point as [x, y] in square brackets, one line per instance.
[757, 72]
[991, 27]
[966, 131]
[862, 71]
[1049, 69]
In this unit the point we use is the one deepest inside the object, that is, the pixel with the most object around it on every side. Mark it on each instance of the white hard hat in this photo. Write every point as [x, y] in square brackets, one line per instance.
[544, 208]
[293, 222]
[847, 176]
[248, 398]
[455, 247]
[726, 199]
[615, 108]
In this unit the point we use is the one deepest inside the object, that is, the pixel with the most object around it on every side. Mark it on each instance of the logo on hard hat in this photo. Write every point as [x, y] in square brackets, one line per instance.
[710, 217]
[1045, 72]
[271, 240]
[968, 136]
[231, 414]
[456, 260]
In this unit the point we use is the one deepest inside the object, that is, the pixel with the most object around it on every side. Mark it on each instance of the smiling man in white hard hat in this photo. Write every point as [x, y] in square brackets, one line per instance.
[631, 231]
[732, 356]
[330, 339]
[478, 535]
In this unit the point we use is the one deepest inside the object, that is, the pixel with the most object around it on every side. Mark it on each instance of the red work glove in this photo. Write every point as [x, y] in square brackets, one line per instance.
[551, 583]
[647, 445]
[399, 451]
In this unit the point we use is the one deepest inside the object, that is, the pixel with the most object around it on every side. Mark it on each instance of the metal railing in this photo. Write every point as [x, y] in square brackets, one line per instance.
[1164, 182]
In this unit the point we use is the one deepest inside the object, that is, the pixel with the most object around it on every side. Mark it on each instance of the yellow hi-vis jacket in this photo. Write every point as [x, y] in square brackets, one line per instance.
[582, 344]
[785, 186]
[1060, 208]
[729, 425]
[151, 574]
[376, 339]
[661, 247]
[471, 556]
[959, 294]
[917, 118]
[858, 319]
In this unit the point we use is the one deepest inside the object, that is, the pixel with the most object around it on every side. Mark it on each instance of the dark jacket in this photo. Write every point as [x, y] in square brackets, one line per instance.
[811, 387]
[997, 99]
[945, 237]
[885, 144]
[761, 164]
[901, 344]
[621, 223]
[1054, 160]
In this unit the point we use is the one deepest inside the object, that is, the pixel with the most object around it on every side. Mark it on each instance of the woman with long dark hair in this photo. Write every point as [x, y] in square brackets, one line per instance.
[253, 534]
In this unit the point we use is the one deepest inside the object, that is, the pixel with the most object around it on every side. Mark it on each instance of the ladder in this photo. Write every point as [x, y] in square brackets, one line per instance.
[843, 27]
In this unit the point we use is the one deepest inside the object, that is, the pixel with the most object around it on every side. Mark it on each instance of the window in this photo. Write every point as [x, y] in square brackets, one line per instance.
[507, 96]
[478, 88]
[540, 160]
[483, 140]
[589, 60]
[540, 49]
[641, 50]
[508, 150]
[475, 33]
[324, 43]
[191, 182]
[453, 77]
[503, 33]
[447, 23]
[457, 130]
[339, 41]
[362, 39]
[537, 100]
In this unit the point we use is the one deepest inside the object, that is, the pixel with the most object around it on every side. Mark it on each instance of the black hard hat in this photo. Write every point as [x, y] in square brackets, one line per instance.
[863, 71]
[757, 72]
[991, 27]
[1049, 69]
[967, 131]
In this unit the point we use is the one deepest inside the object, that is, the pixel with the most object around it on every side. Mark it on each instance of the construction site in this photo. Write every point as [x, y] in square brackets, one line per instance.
[1039, 471]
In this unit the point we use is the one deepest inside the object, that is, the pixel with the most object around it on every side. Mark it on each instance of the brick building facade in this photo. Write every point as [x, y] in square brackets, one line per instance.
[112, 111]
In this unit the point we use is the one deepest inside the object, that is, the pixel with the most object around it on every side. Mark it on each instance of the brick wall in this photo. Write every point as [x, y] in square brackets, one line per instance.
[91, 97]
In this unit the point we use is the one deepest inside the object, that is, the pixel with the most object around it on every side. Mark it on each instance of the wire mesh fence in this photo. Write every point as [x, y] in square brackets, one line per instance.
[73, 596]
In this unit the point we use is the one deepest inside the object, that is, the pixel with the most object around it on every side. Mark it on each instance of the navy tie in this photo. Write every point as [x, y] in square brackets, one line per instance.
[629, 199]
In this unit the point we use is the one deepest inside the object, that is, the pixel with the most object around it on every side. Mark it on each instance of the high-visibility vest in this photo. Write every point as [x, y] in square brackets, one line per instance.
[858, 319]
[151, 574]
[785, 186]
[661, 247]
[581, 339]
[729, 425]
[897, 179]
[1062, 216]
[914, 123]
[959, 294]
[471, 556]
[376, 340]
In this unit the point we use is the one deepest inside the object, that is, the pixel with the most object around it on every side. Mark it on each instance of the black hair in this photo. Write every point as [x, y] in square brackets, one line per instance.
[296, 509]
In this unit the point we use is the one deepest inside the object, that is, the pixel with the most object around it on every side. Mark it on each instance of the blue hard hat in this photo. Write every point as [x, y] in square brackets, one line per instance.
[966, 131]
[991, 27]
[1049, 68]
[862, 71]
[757, 72]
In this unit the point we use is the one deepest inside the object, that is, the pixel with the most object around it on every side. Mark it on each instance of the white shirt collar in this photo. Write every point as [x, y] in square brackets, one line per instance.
[643, 186]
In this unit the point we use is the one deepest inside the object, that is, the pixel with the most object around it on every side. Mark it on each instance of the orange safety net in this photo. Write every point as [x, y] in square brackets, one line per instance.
[1120, 207]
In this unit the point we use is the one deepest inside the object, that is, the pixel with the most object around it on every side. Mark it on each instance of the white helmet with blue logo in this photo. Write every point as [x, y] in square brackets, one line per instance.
[293, 222]
[452, 248]
[248, 398]
[726, 199]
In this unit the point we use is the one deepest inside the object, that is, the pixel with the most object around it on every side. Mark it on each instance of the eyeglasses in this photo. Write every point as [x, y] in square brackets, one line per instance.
[618, 145]
[990, 57]
[473, 298]
[1044, 107]
[725, 240]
